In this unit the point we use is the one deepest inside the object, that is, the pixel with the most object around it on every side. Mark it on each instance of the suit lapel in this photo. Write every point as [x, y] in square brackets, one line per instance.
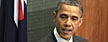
[75, 39]
[52, 38]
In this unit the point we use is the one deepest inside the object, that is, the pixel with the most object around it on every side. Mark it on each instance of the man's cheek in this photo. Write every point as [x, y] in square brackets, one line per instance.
[76, 25]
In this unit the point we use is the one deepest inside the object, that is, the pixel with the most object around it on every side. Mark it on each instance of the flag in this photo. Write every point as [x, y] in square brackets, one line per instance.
[2, 20]
[22, 21]
[13, 21]
[0, 3]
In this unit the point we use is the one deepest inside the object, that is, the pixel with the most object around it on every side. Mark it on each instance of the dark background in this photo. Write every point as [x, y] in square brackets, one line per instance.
[40, 18]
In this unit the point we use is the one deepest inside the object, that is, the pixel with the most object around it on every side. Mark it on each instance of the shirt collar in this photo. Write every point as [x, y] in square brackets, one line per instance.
[60, 39]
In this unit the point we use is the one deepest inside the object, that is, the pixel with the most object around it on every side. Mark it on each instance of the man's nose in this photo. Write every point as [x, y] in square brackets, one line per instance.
[67, 23]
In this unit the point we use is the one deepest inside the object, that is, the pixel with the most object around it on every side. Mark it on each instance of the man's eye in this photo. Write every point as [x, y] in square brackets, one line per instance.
[63, 16]
[74, 18]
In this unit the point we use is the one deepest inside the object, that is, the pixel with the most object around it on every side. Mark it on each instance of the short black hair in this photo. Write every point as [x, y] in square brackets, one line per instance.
[69, 2]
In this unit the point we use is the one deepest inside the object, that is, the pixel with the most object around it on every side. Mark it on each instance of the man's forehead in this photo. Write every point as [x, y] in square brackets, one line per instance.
[69, 8]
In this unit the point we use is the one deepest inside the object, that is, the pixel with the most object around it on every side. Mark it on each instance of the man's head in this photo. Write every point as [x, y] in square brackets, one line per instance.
[68, 17]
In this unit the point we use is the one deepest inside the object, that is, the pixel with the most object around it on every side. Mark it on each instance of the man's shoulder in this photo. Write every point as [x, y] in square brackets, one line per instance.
[51, 38]
[48, 38]
[79, 39]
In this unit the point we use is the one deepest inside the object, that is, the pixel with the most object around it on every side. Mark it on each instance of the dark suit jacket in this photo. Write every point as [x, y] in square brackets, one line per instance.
[51, 38]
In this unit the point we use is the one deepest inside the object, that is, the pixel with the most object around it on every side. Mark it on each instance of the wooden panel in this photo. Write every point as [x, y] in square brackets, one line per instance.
[95, 22]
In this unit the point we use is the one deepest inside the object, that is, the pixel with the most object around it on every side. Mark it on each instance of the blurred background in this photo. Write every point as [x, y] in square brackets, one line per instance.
[40, 18]
[94, 27]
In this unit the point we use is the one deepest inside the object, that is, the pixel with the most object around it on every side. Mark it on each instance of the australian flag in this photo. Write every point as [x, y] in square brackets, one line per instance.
[13, 21]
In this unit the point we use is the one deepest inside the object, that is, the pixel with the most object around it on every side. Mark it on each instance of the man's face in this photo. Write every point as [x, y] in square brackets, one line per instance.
[67, 20]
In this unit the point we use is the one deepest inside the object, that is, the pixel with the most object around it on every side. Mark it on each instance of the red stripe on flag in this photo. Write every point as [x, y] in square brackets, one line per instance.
[20, 11]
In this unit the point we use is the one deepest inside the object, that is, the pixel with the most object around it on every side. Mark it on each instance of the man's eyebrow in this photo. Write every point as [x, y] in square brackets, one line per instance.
[63, 13]
[75, 16]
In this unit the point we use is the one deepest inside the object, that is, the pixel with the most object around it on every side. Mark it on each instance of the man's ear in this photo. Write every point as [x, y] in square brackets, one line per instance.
[80, 22]
[54, 16]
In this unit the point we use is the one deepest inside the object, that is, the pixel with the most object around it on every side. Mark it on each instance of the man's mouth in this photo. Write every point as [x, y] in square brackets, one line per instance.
[66, 31]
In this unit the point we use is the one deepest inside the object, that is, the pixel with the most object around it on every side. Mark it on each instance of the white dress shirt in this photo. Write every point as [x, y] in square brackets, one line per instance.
[60, 39]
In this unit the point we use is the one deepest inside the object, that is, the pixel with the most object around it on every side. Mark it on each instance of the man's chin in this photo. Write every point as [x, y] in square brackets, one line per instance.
[66, 37]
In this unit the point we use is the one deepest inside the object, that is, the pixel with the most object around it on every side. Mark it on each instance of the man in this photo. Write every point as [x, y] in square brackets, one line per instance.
[67, 18]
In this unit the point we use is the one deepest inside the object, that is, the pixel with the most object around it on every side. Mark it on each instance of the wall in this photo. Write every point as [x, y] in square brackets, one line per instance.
[95, 22]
